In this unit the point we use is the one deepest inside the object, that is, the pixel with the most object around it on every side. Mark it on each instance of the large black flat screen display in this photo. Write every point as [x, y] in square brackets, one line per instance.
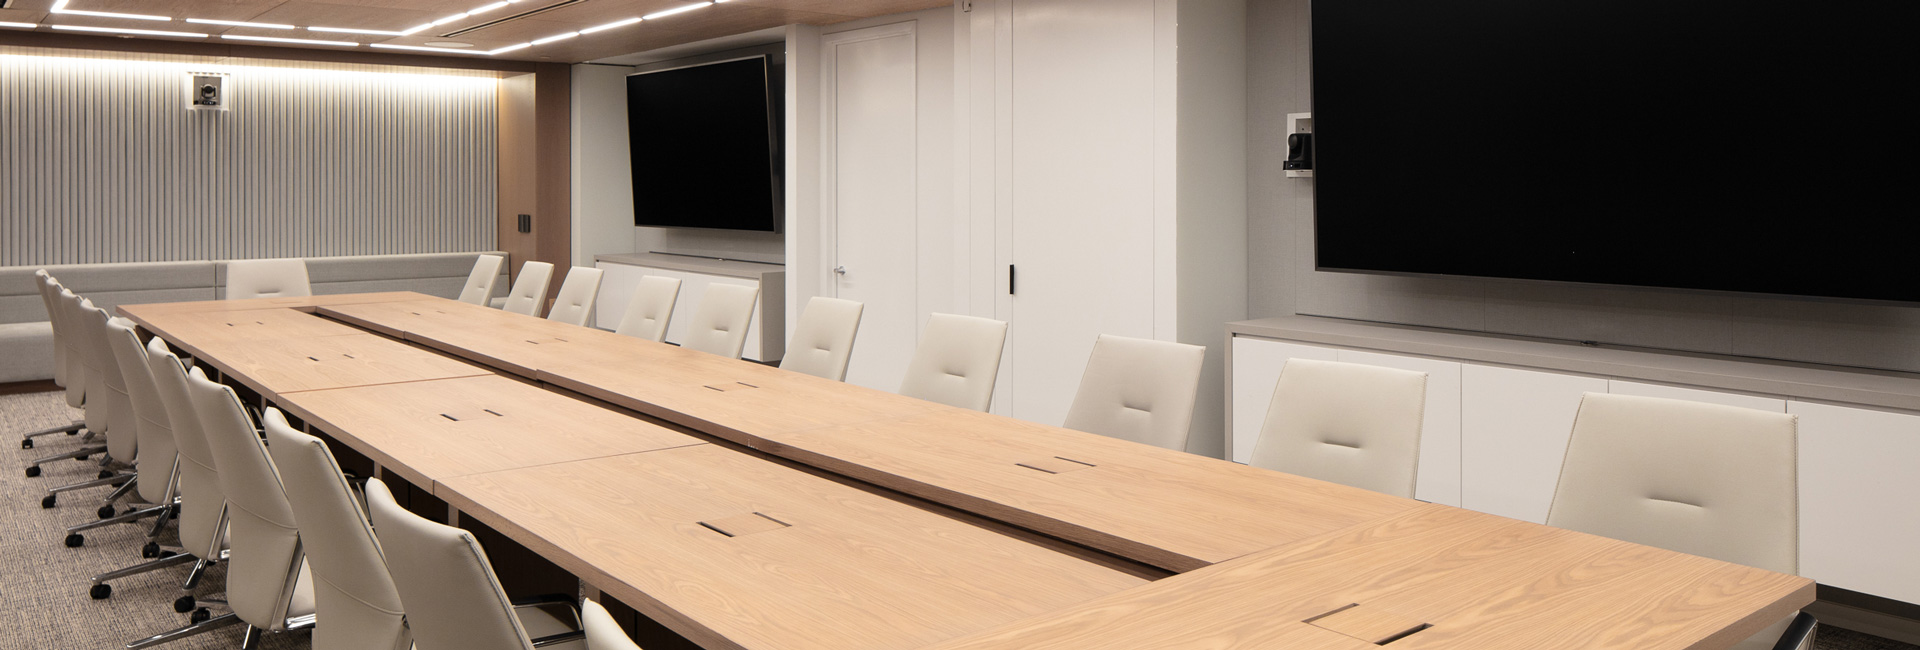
[1738, 145]
[703, 147]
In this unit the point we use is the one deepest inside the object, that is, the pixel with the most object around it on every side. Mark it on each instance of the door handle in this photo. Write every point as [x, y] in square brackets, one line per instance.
[842, 270]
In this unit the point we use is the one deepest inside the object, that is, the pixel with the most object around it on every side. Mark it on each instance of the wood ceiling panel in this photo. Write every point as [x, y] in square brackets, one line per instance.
[730, 18]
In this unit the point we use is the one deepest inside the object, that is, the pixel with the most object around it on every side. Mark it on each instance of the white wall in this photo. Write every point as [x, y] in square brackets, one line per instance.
[602, 167]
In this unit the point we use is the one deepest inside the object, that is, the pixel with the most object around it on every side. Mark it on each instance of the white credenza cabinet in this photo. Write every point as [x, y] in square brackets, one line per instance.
[621, 276]
[1500, 412]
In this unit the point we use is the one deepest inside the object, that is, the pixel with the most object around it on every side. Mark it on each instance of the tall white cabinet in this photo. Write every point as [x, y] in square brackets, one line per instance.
[1500, 413]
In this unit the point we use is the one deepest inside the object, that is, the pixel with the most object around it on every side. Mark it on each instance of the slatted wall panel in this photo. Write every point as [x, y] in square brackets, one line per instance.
[100, 161]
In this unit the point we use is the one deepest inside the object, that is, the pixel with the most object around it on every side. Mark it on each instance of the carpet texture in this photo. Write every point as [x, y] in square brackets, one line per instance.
[43, 584]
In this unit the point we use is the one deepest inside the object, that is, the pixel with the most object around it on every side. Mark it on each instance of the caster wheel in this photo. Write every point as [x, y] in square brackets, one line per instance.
[100, 592]
[76, 540]
[106, 512]
[150, 551]
[74, 432]
[80, 458]
[48, 501]
[174, 511]
[104, 474]
[26, 444]
[183, 604]
[200, 616]
[166, 554]
[33, 471]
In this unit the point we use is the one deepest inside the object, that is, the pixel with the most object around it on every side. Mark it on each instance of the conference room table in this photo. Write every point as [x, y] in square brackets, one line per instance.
[743, 506]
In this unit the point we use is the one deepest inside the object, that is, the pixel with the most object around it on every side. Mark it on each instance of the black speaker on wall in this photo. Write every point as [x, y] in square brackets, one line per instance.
[1299, 152]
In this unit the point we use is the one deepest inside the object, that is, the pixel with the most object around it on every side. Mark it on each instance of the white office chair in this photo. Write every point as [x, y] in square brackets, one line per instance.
[49, 295]
[268, 586]
[1347, 423]
[281, 278]
[479, 287]
[529, 293]
[153, 476]
[1140, 390]
[203, 506]
[353, 591]
[453, 599]
[651, 309]
[1705, 479]
[720, 322]
[823, 339]
[957, 361]
[574, 305]
[81, 377]
[108, 398]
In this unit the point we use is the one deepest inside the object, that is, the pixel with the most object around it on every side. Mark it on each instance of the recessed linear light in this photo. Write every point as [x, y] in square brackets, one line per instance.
[448, 19]
[58, 5]
[442, 50]
[481, 10]
[238, 23]
[676, 10]
[555, 37]
[120, 30]
[410, 30]
[109, 14]
[351, 30]
[611, 25]
[508, 48]
[302, 41]
[19, 25]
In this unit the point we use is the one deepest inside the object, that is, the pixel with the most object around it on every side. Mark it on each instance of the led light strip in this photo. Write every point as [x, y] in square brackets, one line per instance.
[60, 7]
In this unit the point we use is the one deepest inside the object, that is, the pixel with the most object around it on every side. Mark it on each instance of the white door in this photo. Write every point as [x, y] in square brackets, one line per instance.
[1082, 190]
[868, 203]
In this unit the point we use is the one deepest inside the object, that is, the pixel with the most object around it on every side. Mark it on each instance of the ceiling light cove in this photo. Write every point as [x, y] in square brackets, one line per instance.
[238, 23]
[276, 39]
[676, 10]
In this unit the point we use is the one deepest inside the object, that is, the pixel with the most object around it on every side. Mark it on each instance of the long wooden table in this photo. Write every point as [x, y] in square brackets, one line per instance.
[705, 541]
[727, 549]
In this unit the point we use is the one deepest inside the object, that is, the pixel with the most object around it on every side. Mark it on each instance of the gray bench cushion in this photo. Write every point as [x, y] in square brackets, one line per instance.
[108, 285]
[26, 352]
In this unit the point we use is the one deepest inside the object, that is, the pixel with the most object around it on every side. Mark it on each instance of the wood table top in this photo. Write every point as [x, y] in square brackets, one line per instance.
[277, 367]
[1474, 580]
[514, 343]
[192, 328]
[737, 552]
[427, 431]
[302, 303]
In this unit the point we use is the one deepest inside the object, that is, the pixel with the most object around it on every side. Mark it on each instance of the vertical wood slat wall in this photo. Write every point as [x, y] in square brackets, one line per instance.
[101, 161]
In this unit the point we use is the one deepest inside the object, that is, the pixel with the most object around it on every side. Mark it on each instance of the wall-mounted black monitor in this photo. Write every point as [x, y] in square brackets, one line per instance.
[1760, 146]
[705, 147]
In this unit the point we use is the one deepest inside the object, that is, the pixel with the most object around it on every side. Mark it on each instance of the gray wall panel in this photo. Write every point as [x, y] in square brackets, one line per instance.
[101, 161]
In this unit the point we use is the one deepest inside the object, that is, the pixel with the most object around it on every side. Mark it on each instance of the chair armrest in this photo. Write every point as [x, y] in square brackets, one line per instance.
[1799, 633]
[563, 637]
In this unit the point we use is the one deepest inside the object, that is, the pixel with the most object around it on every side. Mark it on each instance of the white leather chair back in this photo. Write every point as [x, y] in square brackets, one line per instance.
[279, 278]
[823, 339]
[650, 309]
[529, 292]
[574, 305]
[1140, 390]
[49, 296]
[203, 506]
[957, 361]
[479, 287]
[110, 400]
[155, 431]
[70, 337]
[265, 565]
[452, 598]
[354, 593]
[1706, 479]
[720, 322]
[1347, 423]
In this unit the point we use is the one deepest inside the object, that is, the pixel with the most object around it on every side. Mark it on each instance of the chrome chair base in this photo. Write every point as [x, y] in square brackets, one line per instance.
[194, 629]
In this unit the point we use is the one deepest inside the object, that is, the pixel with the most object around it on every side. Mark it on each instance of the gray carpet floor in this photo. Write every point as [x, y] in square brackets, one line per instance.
[43, 584]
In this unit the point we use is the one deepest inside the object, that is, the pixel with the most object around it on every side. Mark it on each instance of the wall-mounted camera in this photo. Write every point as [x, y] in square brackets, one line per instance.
[207, 91]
